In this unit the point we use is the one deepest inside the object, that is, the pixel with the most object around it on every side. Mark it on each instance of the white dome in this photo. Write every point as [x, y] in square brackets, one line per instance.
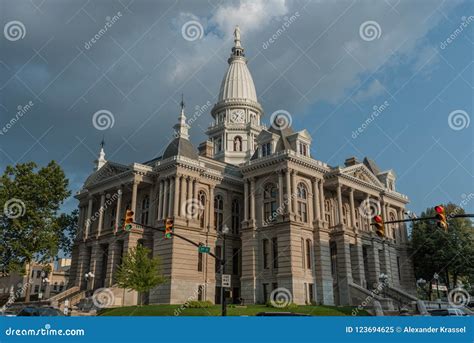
[237, 82]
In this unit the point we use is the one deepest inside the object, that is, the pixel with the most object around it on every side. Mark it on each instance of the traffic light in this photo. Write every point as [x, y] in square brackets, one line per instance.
[379, 226]
[441, 221]
[169, 228]
[128, 220]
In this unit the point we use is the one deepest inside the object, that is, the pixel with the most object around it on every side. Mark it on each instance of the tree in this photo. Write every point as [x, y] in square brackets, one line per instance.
[29, 225]
[140, 272]
[448, 253]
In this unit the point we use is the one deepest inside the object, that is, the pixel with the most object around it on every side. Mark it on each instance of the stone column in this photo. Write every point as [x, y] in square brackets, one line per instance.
[100, 223]
[288, 192]
[280, 190]
[316, 206]
[151, 207]
[171, 197]
[118, 208]
[402, 227]
[194, 187]
[211, 207]
[160, 201]
[339, 203]
[165, 198]
[357, 257]
[246, 200]
[252, 199]
[134, 197]
[111, 264]
[367, 220]
[176, 197]
[351, 198]
[89, 215]
[184, 196]
[321, 201]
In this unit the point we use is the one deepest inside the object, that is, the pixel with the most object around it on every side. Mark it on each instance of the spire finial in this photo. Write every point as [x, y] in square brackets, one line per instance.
[99, 163]
[237, 36]
[182, 102]
[182, 127]
[102, 142]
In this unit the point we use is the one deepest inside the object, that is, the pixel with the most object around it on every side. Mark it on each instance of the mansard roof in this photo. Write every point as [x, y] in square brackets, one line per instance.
[180, 146]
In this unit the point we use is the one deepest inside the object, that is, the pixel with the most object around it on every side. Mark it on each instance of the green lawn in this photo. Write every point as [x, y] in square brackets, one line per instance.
[215, 310]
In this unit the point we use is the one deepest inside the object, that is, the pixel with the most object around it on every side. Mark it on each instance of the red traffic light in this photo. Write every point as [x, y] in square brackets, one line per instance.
[378, 219]
[439, 209]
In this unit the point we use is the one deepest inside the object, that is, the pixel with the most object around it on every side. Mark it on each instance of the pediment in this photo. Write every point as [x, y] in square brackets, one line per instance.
[107, 171]
[361, 172]
[264, 135]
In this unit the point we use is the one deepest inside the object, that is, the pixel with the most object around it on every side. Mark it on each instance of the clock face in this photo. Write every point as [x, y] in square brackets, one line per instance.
[237, 116]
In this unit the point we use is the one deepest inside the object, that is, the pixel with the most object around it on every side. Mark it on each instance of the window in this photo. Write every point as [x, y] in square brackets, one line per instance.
[37, 287]
[38, 274]
[344, 215]
[327, 211]
[218, 212]
[398, 268]
[265, 292]
[302, 196]
[310, 292]
[235, 261]
[238, 143]
[55, 287]
[145, 207]
[113, 214]
[61, 286]
[266, 253]
[266, 149]
[200, 292]
[308, 253]
[218, 145]
[357, 219]
[201, 214]
[270, 194]
[275, 252]
[302, 253]
[218, 253]
[392, 226]
[199, 262]
[303, 148]
[235, 216]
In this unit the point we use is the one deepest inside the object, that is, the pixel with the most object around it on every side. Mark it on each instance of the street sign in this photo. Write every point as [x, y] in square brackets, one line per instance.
[226, 280]
[204, 250]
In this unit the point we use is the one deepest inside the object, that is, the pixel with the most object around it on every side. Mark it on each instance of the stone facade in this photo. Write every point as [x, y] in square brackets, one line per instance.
[294, 222]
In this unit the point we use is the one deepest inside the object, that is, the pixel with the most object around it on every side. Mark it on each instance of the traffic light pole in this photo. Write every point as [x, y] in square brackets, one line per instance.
[425, 218]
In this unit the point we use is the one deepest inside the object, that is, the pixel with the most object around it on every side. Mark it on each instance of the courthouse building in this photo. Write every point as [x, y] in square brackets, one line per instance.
[294, 222]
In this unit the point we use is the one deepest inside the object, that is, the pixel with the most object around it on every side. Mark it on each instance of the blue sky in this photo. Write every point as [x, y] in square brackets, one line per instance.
[320, 70]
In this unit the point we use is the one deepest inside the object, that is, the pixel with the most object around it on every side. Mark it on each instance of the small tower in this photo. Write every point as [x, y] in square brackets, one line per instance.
[182, 127]
[99, 163]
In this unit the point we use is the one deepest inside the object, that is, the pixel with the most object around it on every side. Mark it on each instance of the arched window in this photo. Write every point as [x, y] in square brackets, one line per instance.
[218, 212]
[202, 212]
[113, 214]
[357, 224]
[235, 216]
[145, 207]
[238, 143]
[302, 195]
[270, 194]
[392, 226]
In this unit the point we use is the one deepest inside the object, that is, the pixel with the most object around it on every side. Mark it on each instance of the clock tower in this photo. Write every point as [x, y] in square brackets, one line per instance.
[237, 113]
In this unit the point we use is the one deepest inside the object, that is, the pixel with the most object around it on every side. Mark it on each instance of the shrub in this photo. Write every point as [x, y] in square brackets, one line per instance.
[199, 304]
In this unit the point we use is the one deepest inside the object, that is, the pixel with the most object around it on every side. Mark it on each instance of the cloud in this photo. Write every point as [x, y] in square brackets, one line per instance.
[374, 89]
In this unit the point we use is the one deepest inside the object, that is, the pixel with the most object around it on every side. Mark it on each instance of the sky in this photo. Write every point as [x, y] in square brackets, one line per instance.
[391, 80]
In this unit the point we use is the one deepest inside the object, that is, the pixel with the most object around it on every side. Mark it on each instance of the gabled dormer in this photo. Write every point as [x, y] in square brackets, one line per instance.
[301, 142]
